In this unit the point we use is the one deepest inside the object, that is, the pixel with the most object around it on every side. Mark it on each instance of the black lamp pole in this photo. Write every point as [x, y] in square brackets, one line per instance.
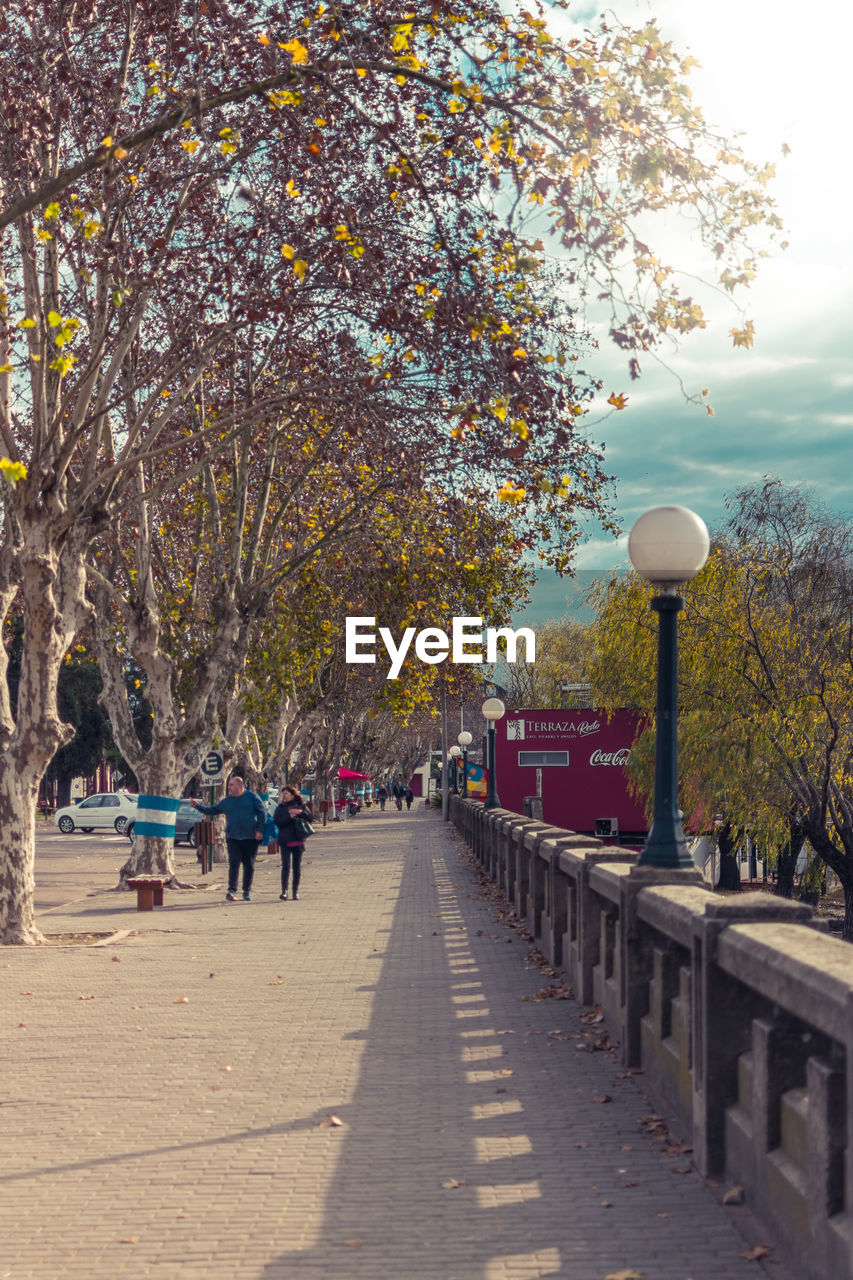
[491, 801]
[666, 845]
[465, 772]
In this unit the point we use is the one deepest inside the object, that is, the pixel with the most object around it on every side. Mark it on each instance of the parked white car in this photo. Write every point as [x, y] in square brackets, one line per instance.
[105, 811]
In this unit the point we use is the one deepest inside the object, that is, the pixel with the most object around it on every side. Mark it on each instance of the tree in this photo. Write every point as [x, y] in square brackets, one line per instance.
[765, 676]
[563, 655]
[238, 224]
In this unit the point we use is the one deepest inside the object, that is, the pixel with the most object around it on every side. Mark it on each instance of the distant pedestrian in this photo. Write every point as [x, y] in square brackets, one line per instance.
[410, 795]
[245, 819]
[291, 841]
[383, 796]
[398, 792]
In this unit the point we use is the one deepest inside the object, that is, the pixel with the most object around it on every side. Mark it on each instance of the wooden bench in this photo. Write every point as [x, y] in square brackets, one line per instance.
[149, 891]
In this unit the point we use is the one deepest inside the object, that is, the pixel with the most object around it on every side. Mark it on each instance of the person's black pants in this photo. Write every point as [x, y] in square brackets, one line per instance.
[241, 852]
[291, 854]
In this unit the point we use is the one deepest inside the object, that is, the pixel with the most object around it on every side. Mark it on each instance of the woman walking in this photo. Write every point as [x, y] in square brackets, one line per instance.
[291, 841]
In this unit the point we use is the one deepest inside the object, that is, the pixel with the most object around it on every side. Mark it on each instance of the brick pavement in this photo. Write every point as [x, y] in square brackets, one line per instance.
[166, 1098]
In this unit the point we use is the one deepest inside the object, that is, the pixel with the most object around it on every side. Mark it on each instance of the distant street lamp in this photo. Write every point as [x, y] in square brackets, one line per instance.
[668, 546]
[492, 710]
[454, 753]
[464, 740]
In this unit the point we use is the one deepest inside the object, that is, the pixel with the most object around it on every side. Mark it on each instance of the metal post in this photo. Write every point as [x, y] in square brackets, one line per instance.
[491, 801]
[445, 756]
[465, 772]
[666, 845]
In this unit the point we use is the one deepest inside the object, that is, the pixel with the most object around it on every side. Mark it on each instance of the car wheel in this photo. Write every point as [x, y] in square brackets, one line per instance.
[120, 825]
[128, 831]
[66, 825]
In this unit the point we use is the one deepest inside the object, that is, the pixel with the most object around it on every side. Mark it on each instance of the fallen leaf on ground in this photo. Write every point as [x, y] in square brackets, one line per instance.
[332, 1122]
[735, 1196]
[129, 1240]
[602, 1097]
[753, 1255]
[182, 1000]
[450, 1184]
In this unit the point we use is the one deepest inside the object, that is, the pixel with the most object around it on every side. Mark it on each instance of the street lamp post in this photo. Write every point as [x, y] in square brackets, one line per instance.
[668, 546]
[492, 710]
[464, 740]
[454, 753]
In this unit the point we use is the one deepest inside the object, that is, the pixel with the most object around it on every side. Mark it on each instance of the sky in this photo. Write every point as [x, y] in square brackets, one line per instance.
[778, 74]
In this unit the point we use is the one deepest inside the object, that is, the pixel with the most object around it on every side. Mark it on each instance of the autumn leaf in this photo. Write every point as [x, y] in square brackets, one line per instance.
[753, 1255]
[618, 401]
[287, 251]
[743, 337]
[297, 51]
[300, 266]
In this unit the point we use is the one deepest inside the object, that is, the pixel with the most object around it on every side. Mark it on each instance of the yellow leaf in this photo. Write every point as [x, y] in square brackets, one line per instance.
[297, 51]
[300, 267]
[13, 471]
[120, 153]
[743, 337]
[53, 319]
[263, 38]
[618, 401]
[361, 71]
[287, 251]
[291, 189]
[52, 211]
[7, 368]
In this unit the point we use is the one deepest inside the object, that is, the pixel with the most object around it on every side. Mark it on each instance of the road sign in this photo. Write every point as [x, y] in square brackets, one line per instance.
[212, 768]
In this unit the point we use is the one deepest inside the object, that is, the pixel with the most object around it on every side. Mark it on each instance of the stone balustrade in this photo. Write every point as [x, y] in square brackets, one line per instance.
[739, 1010]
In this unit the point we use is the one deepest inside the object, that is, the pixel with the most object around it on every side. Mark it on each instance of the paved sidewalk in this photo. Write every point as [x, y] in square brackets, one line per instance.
[361, 1085]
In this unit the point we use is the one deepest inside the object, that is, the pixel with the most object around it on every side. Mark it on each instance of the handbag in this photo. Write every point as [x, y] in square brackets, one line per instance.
[303, 827]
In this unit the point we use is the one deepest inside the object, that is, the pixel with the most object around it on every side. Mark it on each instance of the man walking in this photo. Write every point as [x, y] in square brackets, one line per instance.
[245, 818]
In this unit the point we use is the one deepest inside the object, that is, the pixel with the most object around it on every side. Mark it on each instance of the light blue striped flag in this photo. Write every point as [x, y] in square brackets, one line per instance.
[155, 816]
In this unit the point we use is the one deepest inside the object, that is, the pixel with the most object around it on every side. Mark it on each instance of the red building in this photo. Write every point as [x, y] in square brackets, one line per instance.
[576, 761]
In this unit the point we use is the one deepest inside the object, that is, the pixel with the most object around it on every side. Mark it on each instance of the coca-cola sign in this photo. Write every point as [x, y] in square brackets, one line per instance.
[618, 758]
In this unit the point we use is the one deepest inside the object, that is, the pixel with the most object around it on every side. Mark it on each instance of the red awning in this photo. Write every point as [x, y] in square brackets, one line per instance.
[350, 773]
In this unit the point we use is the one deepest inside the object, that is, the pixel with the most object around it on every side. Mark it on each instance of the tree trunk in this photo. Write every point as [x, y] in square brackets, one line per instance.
[155, 855]
[729, 868]
[17, 870]
[786, 861]
[847, 885]
[54, 607]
